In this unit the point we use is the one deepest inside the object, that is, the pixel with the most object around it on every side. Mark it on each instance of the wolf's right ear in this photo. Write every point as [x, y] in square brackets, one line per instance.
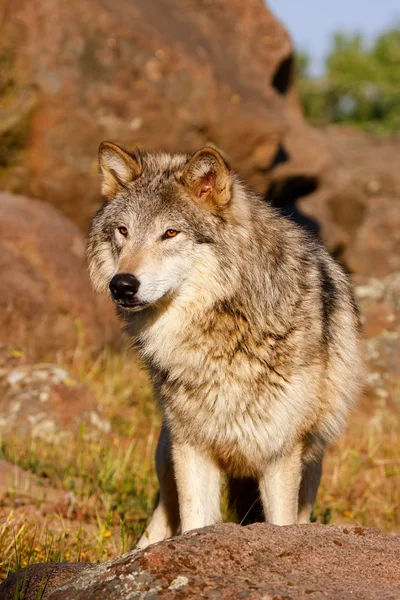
[117, 168]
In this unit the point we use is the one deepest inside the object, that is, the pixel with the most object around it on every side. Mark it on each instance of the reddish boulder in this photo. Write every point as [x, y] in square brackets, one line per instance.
[47, 307]
[229, 561]
[375, 249]
[170, 74]
[357, 206]
[371, 160]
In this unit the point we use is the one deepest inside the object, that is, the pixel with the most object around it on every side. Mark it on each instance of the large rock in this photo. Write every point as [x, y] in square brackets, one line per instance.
[228, 561]
[357, 206]
[47, 307]
[171, 74]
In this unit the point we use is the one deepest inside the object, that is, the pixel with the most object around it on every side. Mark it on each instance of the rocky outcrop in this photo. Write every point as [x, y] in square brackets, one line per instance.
[45, 401]
[375, 249]
[228, 561]
[165, 74]
[357, 205]
[38, 581]
[47, 307]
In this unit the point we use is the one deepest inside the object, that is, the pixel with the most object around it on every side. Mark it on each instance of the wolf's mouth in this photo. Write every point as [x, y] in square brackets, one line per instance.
[131, 306]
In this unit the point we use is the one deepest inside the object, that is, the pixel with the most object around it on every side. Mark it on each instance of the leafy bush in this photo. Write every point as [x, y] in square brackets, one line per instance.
[361, 84]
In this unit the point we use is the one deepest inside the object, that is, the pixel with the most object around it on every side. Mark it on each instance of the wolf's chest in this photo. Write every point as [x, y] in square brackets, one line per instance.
[233, 399]
[240, 425]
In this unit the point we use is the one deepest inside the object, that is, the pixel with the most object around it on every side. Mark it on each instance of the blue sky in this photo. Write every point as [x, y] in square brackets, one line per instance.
[312, 22]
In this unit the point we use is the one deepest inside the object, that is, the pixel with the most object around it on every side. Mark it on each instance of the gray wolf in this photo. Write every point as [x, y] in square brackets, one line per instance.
[246, 324]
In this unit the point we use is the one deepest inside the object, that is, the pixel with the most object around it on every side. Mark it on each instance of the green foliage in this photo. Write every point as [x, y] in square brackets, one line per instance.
[361, 84]
[302, 63]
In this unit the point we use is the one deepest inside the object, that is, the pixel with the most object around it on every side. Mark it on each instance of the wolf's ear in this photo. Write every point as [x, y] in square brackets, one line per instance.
[117, 168]
[208, 179]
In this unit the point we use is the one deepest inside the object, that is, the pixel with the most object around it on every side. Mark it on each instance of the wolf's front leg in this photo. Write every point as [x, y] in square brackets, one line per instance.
[198, 481]
[279, 489]
[165, 520]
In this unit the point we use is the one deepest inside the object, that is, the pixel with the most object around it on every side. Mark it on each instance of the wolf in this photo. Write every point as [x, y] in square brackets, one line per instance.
[246, 324]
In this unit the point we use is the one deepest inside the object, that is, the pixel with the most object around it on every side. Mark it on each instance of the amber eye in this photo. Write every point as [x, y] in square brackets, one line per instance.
[170, 233]
[123, 230]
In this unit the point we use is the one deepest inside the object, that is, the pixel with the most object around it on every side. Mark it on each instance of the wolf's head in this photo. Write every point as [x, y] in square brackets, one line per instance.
[155, 236]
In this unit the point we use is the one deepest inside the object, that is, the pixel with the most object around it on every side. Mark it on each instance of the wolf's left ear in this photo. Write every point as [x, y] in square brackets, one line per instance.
[208, 179]
[117, 167]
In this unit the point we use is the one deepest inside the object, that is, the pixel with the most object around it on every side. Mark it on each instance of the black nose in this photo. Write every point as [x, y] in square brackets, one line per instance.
[123, 287]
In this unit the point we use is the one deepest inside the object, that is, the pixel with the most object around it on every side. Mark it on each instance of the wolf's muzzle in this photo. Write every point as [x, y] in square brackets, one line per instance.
[123, 287]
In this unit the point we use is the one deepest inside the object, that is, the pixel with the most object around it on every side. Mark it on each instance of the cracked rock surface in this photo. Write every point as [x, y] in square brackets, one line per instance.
[229, 561]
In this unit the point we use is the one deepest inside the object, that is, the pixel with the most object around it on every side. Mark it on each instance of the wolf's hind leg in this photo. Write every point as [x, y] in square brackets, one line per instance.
[279, 489]
[165, 520]
[308, 489]
[198, 480]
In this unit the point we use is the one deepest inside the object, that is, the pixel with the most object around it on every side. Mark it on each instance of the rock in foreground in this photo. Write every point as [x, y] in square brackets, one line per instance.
[228, 561]
[39, 581]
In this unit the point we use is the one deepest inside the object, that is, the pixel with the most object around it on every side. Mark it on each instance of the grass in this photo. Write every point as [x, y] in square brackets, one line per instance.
[111, 485]
[361, 478]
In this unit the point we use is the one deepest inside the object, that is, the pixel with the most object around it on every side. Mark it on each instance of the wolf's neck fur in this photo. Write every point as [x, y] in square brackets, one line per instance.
[226, 300]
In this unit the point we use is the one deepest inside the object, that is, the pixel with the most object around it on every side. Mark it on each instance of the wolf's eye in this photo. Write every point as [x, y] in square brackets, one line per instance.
[123, 230]
[170, 233]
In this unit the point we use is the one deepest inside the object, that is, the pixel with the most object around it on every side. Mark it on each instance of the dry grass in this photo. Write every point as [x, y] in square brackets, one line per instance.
[361, 479]
[111, 485]
[108, 488]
